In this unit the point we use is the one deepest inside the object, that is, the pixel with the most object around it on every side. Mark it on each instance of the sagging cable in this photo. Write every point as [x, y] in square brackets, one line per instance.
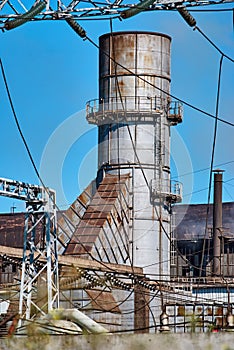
[35, 10]
[76, 27]
[186, 16]
[144, 5]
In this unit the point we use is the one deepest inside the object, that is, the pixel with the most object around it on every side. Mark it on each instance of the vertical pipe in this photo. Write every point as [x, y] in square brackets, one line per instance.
[217, 222]
[31, 269]
[48, 262]
[228, 260]
[56, 267]
[23, 272]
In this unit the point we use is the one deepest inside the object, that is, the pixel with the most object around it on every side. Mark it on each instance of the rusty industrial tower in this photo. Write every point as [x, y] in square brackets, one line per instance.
[120, 227]
[134, 114]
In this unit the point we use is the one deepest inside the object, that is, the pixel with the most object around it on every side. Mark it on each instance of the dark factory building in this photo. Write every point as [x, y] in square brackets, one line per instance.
[191, 248]
[195, 243]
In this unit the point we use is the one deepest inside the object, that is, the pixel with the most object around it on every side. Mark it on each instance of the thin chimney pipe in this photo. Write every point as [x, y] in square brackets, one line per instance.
[217, 221]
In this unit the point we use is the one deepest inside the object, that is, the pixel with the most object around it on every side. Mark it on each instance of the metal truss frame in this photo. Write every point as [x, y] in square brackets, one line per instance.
[40, 257]
[84, 9]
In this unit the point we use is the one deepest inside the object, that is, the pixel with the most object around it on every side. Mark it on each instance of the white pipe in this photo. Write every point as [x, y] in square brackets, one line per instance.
[82, 320]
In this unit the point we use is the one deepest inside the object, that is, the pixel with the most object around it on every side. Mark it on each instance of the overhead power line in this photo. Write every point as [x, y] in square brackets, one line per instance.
[213, 44]
[204, 169]
[216, 116]
[32, 160]
[192, 23]
[18, 124]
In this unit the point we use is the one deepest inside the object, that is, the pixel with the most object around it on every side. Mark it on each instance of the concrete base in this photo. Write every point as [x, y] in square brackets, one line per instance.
[123, 342]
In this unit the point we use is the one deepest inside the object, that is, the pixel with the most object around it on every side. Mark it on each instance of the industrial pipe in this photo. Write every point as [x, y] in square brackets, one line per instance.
[164, 321]
[217, 222]
[81, 319]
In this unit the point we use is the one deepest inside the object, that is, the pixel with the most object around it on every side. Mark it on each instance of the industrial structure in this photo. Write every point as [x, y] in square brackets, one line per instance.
[117, 253]
[40, 260]
[134, 120]
[17, 12]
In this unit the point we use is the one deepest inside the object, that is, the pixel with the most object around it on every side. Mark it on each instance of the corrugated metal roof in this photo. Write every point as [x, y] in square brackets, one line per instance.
[190, 220]
[12, 229]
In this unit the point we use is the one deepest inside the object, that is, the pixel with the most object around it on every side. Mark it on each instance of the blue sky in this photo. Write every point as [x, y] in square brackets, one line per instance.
[52, 73]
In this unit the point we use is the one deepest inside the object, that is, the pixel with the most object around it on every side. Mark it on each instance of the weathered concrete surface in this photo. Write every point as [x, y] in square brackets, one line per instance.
[220, 341]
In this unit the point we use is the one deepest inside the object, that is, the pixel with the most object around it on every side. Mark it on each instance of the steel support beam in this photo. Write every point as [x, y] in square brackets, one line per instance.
[40, 241]
[17, 12]
[40, 258]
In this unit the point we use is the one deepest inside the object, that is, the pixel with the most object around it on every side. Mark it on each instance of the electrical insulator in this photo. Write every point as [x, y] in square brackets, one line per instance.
[187, 16]
[35, 10]
[136, 9]
[230, 319]
[76, 27]
[164, 322]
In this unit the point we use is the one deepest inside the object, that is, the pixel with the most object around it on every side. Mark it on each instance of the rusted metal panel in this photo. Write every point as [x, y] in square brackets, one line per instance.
[99, 231]
[69, 219]
[11, 229]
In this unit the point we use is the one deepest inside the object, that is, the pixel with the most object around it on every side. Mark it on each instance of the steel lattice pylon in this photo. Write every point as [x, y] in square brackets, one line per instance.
[39, 289]
[25, 10]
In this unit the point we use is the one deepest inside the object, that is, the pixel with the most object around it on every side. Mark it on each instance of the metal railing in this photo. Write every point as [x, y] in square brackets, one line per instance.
[176, 188]
[209, 280]
[138, 104]
[167, 188]
[175, 108]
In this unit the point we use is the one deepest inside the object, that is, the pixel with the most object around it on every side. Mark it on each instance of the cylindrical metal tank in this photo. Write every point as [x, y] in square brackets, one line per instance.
[134, 72]
[134, 136]
[139, 54]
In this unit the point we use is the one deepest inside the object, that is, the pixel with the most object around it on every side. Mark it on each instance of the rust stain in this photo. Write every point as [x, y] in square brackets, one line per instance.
[109, 218]
[12, 230]
[83, 198]
[148, 62]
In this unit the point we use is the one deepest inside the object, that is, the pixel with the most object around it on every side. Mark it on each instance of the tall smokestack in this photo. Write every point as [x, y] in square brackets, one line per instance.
[134, 114]
[217, 222]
